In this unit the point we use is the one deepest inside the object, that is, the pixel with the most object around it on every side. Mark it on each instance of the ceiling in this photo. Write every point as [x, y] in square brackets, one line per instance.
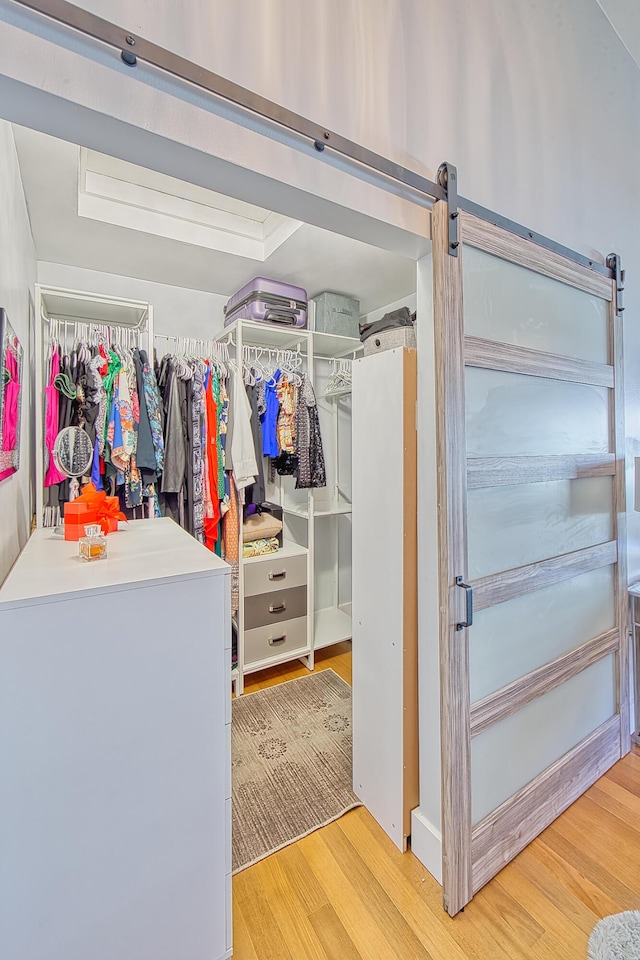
[624, 17]
[310, 257]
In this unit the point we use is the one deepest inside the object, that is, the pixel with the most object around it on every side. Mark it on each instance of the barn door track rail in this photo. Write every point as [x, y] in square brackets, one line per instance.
[132, 48]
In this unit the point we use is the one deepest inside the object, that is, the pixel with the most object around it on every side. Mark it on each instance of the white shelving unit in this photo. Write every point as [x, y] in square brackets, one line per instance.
[312, 518]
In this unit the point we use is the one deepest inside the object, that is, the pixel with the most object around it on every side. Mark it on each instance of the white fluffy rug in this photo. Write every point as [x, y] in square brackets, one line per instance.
[616, 937]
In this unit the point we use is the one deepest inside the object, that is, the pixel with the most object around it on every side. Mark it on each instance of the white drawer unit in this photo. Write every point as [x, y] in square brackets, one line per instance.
[274, 610]
[275, 572]
[273, 640]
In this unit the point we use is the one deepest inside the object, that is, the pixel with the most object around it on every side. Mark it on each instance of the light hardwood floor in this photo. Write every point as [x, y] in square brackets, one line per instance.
[346, 893]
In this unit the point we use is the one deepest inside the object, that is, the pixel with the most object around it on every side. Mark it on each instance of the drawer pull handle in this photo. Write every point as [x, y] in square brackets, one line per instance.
[276, 640]
[277, 608]
[278, 576]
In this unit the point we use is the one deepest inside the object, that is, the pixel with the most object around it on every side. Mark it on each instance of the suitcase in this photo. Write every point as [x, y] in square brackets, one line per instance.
[268, 301]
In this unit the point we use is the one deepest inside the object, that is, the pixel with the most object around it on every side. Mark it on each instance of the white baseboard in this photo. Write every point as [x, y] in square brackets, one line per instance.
[426, 844]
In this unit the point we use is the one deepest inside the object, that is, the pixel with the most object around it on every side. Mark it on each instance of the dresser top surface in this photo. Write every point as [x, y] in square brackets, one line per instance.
[140, 553]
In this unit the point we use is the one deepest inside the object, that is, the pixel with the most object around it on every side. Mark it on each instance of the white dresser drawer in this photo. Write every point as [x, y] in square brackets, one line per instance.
[261, 643]
[274, 572]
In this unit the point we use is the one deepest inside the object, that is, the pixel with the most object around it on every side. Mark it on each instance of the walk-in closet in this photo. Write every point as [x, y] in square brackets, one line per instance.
[159, 404]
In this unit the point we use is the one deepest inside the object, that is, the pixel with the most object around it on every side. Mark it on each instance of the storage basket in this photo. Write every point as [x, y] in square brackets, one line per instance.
[388, 339]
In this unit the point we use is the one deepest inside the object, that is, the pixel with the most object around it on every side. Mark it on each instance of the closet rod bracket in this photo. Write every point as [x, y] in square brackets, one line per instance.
[448, 180]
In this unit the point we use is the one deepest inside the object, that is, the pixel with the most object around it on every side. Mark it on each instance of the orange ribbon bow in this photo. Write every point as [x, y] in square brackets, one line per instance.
[107, 508]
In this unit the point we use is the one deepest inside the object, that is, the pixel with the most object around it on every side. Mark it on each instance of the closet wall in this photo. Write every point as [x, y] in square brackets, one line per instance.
[17, 275]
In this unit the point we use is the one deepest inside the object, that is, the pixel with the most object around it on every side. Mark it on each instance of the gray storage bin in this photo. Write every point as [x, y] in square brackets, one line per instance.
[388, 339]
[337, 314]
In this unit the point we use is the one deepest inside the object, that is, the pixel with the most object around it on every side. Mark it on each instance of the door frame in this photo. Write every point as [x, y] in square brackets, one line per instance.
[472, 855]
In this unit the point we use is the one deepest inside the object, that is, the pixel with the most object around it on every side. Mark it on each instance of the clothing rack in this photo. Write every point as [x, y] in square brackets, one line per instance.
[69, 317]
[266, 360]
[68, 332]
[197, 347]
[339, 384]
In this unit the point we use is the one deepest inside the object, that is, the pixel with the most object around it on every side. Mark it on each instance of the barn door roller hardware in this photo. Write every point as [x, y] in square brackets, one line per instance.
[448, 180]
[614, 264]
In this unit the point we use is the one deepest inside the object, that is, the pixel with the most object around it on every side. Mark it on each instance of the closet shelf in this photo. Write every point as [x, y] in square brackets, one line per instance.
[333, 345]
[290, 549]
[266, 335]
[329, 345]
[331, 625]
[320, 510]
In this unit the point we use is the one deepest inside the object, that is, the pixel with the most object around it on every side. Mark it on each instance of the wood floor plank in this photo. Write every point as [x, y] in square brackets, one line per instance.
[516, 879]
[512, 915]
[626, 774]
[606, 838]
[332, 934]
[617, 808]
[302, 878]
[582, 860]
[365, 931]
[469, 933]
[243, 948]
[549, 891]
[289, 911]
[570, 877]
[621, 794]
[267, 938]
[428, 921]
[374, 896]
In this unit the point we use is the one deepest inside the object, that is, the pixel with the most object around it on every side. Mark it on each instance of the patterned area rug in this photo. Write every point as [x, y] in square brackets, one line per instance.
[616, 937]
[291, 753]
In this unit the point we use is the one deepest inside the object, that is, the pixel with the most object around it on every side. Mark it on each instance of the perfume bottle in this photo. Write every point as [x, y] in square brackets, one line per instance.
[93, 546]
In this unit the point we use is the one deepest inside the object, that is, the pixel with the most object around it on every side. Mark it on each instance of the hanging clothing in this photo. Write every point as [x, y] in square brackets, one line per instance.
[10, 416]
[154, 410]
[197, 417]
[145, 449]
[243, 458]
[52, 414]
[285, 426]
[174, 436]
[311, 465]
[256, 493]
[231, 536]
[212, 515]
[269, 418]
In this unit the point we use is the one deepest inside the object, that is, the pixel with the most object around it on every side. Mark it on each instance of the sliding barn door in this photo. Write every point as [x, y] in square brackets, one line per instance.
[534, 671]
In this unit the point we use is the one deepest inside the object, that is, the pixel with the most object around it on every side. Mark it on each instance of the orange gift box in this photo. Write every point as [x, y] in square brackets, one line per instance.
[106, 509]
[76, 516]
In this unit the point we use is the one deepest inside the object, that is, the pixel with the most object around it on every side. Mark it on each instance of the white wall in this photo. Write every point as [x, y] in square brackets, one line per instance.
[17, 275]
[178, 311]
[536, 101]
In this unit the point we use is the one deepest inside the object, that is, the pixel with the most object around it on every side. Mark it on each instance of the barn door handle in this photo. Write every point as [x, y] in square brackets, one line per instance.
[468, 593]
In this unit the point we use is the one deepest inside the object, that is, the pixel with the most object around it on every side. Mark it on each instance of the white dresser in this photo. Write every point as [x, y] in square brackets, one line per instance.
[115, 774]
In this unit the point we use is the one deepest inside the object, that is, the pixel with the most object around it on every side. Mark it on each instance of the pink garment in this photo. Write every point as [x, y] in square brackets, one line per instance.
[10, 411]
[51, 421]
